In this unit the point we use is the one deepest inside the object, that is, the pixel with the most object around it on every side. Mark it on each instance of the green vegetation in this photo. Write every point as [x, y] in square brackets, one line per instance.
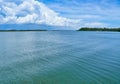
[99, 29]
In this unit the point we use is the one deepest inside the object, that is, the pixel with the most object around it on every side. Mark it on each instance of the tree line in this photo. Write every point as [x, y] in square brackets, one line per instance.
[99, 29]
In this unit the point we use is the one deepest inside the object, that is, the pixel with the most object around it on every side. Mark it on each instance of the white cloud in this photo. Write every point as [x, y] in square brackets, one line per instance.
[31, 18]
[95, 24]
[32, 11]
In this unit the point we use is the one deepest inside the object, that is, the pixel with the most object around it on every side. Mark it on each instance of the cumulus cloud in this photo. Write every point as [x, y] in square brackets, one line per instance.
[32, 11]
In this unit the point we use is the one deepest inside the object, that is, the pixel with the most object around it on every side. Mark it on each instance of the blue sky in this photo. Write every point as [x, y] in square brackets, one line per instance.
[106, 12]
[75, 13]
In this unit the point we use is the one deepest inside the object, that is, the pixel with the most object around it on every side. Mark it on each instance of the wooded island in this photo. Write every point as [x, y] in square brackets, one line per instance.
[99, 29]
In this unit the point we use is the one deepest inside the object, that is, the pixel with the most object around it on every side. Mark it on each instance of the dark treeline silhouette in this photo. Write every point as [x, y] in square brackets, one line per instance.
[99, 29]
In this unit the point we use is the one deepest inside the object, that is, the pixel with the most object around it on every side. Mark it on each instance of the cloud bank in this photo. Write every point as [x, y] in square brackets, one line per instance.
[74, 13]
[32, 11]
[95, 24]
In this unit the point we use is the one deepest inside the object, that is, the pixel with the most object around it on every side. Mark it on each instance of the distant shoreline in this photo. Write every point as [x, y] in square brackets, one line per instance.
[20, 30]
[100, 29]
[81, 29]
[31, 30]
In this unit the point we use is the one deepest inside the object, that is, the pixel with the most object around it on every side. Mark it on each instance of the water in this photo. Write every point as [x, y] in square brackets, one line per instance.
[59, 57]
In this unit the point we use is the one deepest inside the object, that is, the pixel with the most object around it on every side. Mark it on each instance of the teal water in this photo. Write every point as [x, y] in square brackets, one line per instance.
[59, 57]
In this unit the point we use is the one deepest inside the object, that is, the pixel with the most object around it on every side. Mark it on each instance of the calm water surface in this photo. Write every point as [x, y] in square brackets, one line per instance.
[59, 57]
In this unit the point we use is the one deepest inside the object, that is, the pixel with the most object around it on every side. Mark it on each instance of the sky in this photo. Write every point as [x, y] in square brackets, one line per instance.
[73, 13]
